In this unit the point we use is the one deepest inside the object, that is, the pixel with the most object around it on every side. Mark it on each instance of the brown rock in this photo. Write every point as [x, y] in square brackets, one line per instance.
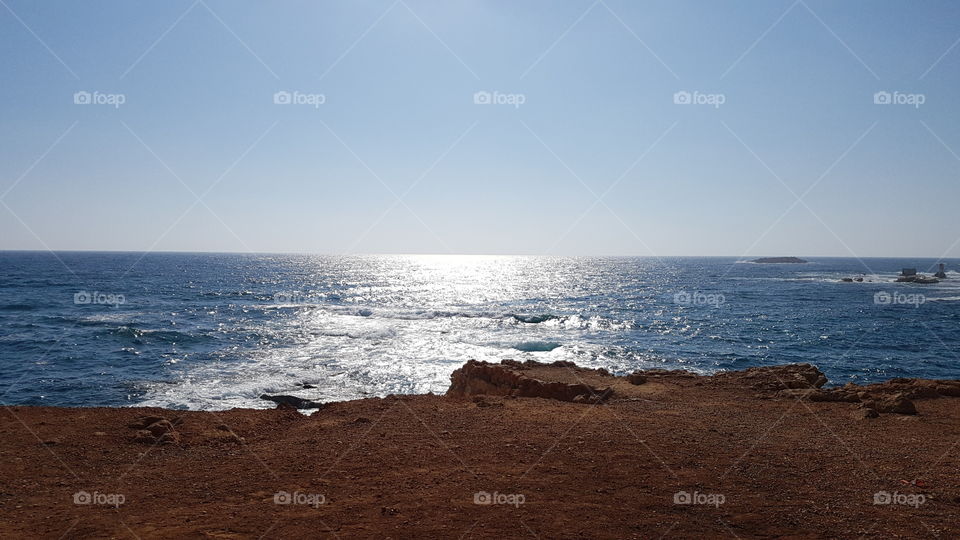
[144, 421]
[170, 437]
[144, 436]
[896, 404]
[505, 379]
[776, 378]
[636, 378]
[949, 388]
[158, 429]
[863, 413]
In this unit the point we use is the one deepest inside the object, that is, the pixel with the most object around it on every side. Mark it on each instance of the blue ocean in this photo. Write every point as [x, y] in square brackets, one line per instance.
[215, 331]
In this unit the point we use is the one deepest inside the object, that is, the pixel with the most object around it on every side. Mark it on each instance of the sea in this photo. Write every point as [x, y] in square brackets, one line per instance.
[216, 331]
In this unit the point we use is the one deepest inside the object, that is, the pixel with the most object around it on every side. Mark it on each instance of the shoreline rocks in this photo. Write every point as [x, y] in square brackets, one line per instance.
[292, 401]
[508, 379]
[564, 381]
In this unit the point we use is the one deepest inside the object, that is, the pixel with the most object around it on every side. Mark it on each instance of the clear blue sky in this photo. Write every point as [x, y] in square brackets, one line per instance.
[398, 79]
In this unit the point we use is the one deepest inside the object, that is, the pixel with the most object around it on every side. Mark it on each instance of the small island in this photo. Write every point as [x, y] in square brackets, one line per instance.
[778, 260]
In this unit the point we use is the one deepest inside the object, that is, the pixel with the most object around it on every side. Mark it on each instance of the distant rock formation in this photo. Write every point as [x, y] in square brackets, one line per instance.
[910, 275]
[779, 260]
[940, 273]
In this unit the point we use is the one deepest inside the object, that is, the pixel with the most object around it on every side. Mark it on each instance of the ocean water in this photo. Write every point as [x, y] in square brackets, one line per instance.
[214, 331]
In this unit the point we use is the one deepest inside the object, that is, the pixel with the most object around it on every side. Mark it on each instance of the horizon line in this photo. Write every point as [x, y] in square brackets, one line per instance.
[426, 254]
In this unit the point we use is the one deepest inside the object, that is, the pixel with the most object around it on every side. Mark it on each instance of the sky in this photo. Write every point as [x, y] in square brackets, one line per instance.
[773, 127]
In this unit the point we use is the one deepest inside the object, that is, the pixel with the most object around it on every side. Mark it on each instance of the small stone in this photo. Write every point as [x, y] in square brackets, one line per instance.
[171, 437]
[144, 421]
[158, 429]
[144, 436]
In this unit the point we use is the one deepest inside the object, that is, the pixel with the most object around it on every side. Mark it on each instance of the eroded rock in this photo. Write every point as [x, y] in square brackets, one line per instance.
[508, 379]
[776, 378]
[292, 401]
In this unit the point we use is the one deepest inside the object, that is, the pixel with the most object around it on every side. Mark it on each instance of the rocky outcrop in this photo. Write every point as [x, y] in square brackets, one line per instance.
[509, 379]
[776, 378]
[292, 401]
[894, 396]
[564, 381]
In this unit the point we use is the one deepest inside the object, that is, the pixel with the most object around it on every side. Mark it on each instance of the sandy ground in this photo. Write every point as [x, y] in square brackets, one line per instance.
[675, 457]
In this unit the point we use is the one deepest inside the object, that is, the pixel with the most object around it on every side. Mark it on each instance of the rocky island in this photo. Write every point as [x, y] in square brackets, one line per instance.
[779, 260]
[512, 450]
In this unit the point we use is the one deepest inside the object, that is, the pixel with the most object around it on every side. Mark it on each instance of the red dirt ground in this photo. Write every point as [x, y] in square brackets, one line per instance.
[412, 466]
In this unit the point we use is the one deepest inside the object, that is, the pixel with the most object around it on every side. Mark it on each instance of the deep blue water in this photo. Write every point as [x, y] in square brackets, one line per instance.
[214, 331]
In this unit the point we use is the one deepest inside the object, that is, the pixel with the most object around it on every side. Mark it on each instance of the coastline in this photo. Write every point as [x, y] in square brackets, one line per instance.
[557, 451]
